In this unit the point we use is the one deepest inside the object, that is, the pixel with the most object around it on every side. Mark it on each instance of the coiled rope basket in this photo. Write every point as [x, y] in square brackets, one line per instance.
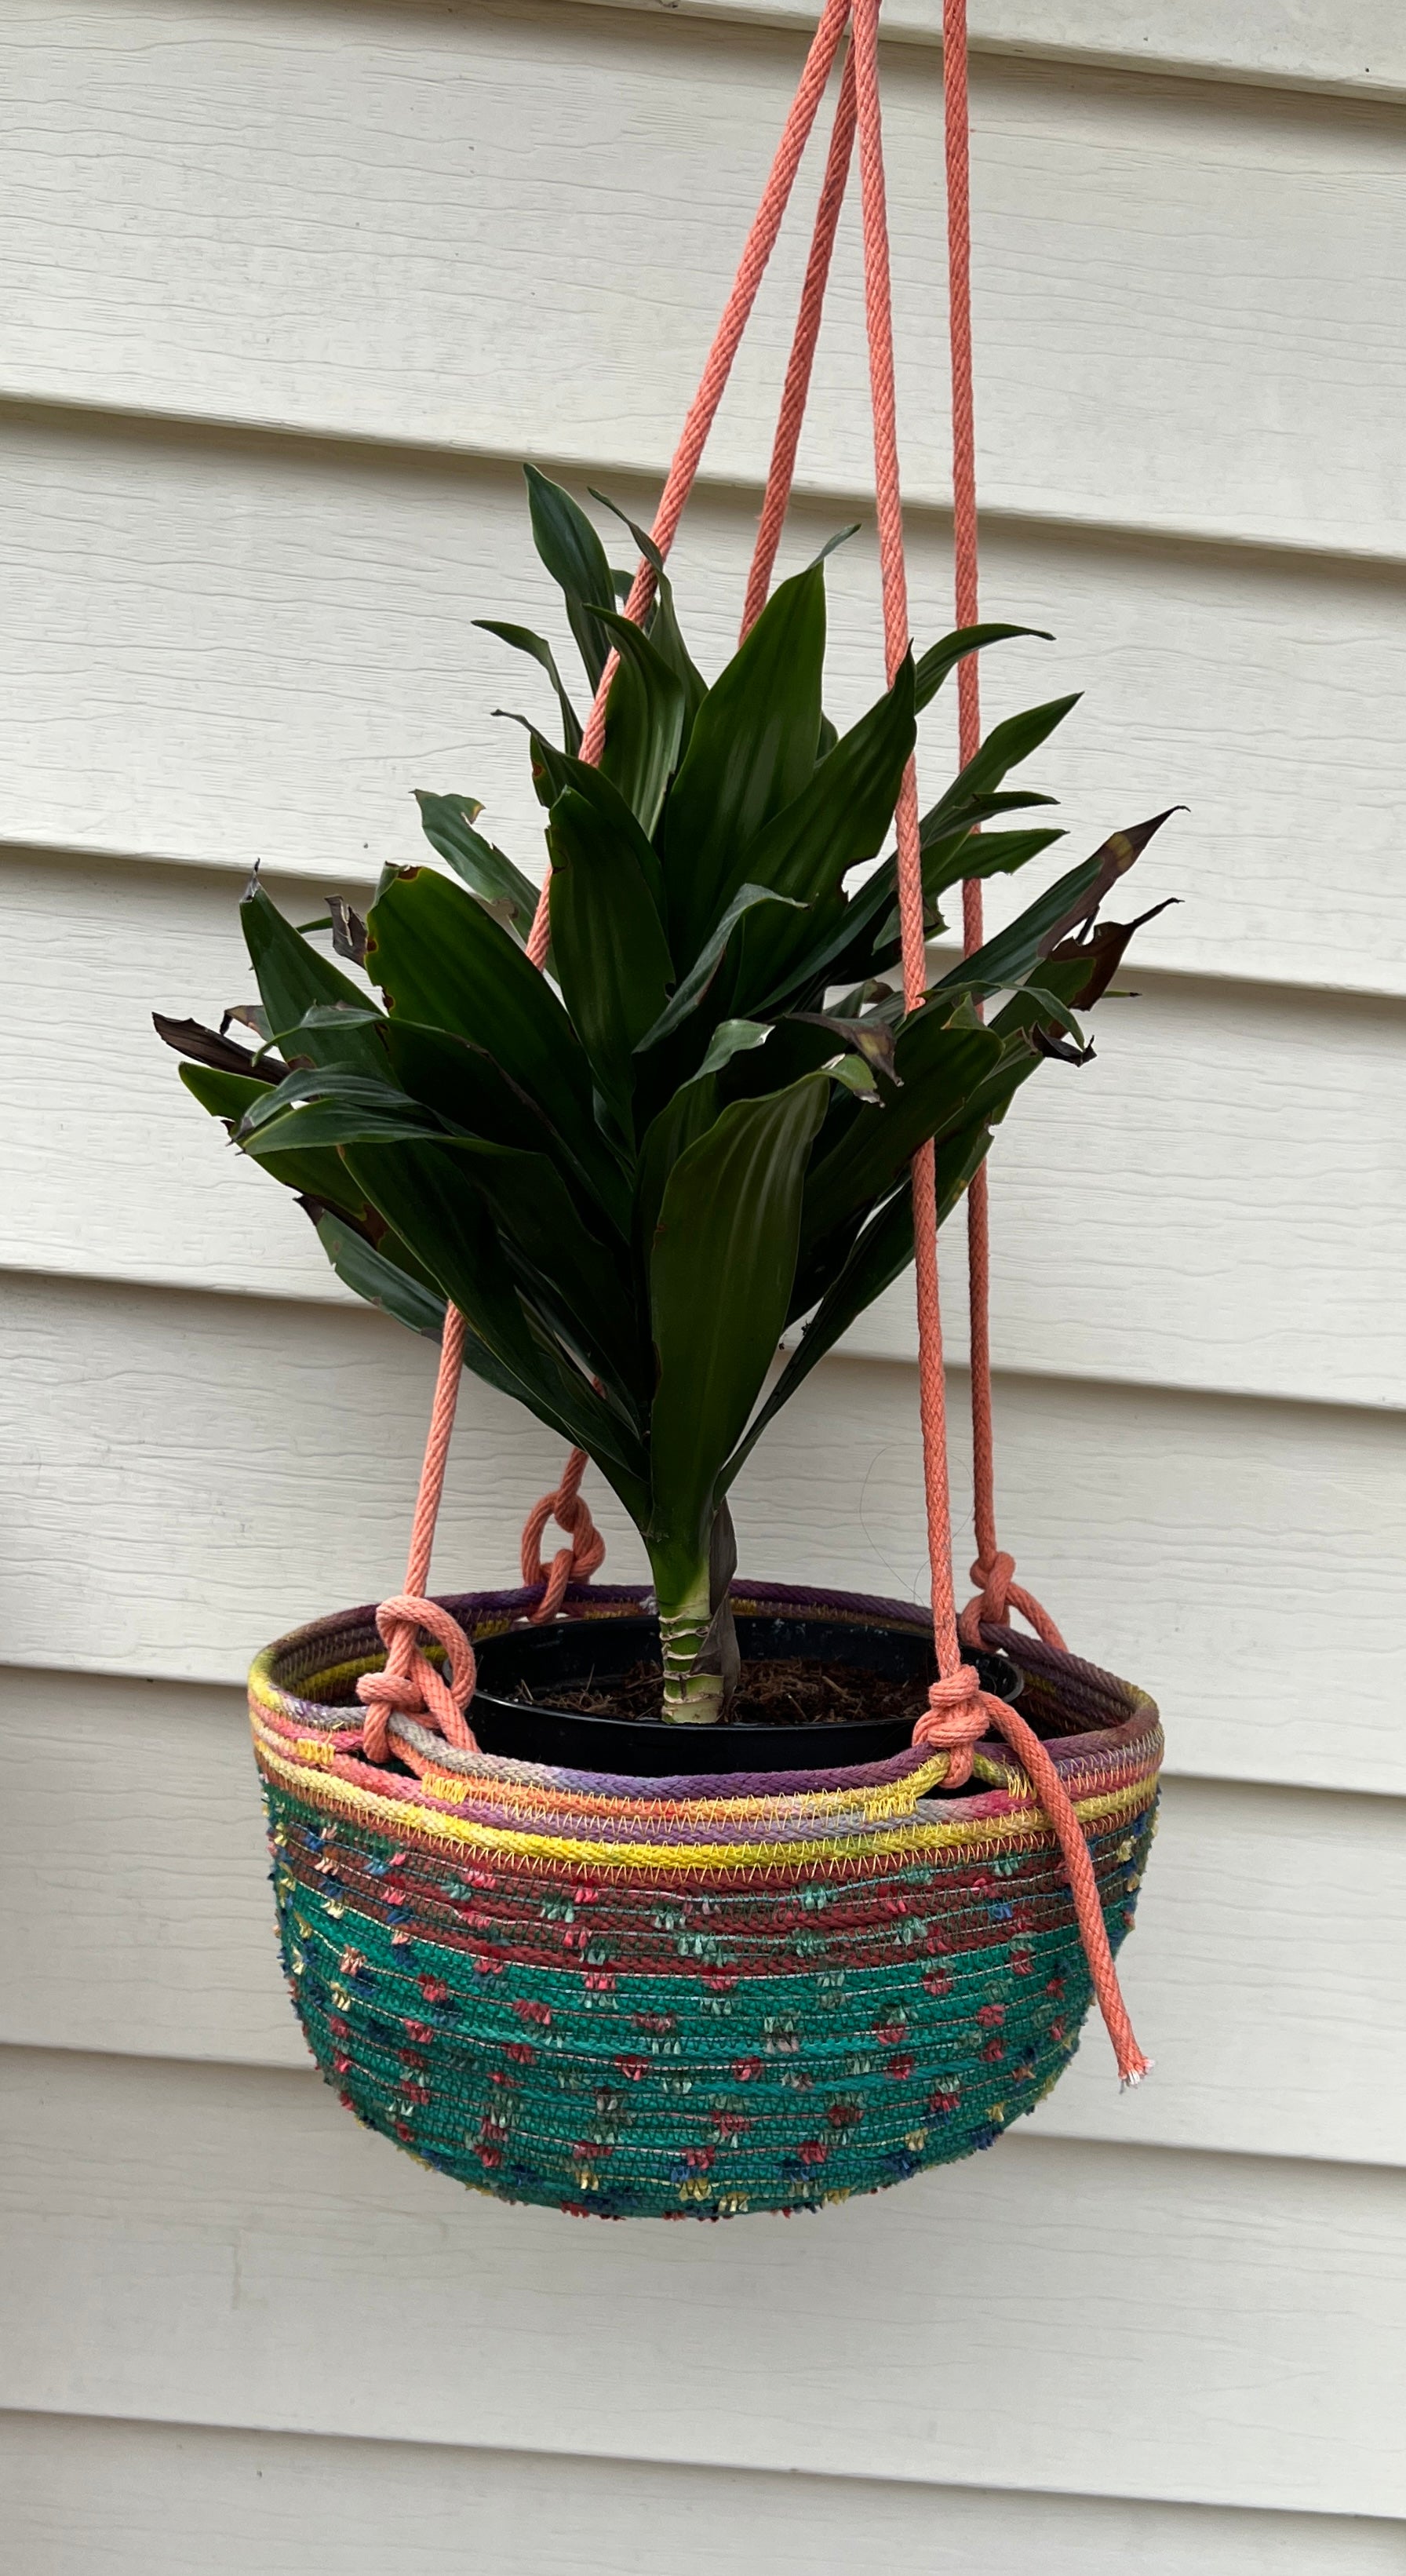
[688, 1998]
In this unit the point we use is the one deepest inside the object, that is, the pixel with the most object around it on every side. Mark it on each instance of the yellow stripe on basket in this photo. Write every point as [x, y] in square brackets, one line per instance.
[913, 1841]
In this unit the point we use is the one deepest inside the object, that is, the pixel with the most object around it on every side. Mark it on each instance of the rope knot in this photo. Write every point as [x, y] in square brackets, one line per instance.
[575, 1563]
[995, 1574]
[1000, 1594]
[955, 1719]
[410, 1682]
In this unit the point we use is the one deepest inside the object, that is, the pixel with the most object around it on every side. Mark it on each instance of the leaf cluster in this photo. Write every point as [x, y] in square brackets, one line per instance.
[634, 1172]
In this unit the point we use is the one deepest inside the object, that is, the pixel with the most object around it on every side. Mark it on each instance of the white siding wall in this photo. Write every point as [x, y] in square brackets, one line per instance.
[285, 290]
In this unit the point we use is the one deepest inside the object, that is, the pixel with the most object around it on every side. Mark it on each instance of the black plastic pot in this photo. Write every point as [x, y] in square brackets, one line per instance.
[588, 1654]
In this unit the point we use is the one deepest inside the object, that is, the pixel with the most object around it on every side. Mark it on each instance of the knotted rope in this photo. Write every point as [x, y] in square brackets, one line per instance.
[575, 1563]
[409, 1681]
[959, 1711]
[999, 1595]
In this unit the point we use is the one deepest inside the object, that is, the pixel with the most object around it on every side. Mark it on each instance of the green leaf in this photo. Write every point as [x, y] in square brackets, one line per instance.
[469, 1089]
[588, 1290]
[367, 1271]
[293, 977]
[686, 1116]
[1005, 747]
[606, 801]
[576, 560]
[612, 957]
[663, 627]
[940, 1068]
[445, 963]
[322, 1082]
[864, 939]
[1009, 957]
[705, 966]
[229, 1096]
[449, 828]
[538, 650]
[643, 721]
[878, 1256]
[835, 824]
[721, 1266]
[752, 750]
[982, 854]
[942, 657]
[421, 1191]
[730, 1038]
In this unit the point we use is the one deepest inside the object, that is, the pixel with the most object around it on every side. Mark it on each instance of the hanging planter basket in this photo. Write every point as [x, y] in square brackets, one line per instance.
[572, 1955]
[697, 1995]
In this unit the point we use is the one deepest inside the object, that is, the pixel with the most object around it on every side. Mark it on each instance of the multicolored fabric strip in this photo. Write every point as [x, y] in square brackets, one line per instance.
[688, 1997]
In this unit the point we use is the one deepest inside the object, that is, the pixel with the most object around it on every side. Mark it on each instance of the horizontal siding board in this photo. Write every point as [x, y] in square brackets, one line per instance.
[1199, 281]
[1266, 1976]
[228, 2245]
[146, 2499]
[189, 1476]
[225, 651]
[1238, 1138]
[1352, 47]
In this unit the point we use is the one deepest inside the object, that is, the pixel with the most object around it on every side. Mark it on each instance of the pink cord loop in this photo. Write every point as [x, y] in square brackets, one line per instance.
[410, 1682]
[957, 1716]
[1000, 1594]
[574, 1564]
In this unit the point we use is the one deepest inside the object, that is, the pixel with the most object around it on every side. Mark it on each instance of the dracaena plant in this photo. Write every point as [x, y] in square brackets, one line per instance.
[632, 1172]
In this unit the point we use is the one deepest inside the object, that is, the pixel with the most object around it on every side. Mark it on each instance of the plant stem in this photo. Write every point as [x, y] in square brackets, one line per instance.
[690, 1698]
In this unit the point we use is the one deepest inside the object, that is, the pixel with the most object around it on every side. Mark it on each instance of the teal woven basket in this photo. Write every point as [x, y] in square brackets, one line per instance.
[688, 1997]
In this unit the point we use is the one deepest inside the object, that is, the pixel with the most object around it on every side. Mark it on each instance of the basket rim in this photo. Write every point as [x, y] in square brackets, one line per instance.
[350, 1640]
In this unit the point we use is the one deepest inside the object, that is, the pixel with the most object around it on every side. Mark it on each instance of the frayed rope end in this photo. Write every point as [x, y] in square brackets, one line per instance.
[1134, 2073]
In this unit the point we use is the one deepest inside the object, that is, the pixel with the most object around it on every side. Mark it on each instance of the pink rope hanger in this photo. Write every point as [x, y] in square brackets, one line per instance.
[960, 1713]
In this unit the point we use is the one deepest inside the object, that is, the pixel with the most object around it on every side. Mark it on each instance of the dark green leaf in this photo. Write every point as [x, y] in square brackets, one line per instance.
[705, 966]
[982, 854]
[686, 1116]
[576, 560]
[941, 1069]
[863, 936]
[331, 1105]
[312, 1175]
[721, 1267]
[449, 829]
[1005, 747]
[422, 1192]
[588, 1289]
[1008, 958]
[445, 963]
[465, 1085]
[835, 824]
[612, 957]
[365, 1270]
[751, 752]
[730, 1038]
[942, 657]
[643, 721]
[522, 640]
[663, 630]
[294, 977]
[871, 1264]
